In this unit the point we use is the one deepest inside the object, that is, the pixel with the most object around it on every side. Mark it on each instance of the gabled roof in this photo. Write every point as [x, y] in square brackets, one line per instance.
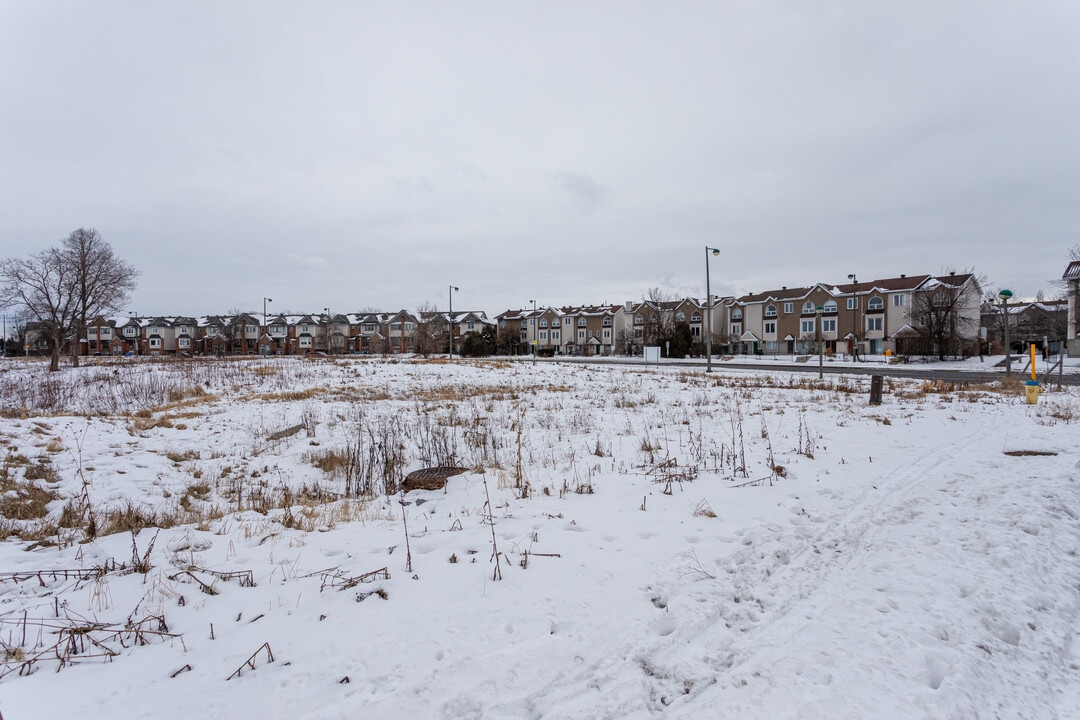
[776, 295]
[1072, 272]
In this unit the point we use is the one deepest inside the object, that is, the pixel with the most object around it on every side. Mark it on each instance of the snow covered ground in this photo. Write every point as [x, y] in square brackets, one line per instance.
[751, 545]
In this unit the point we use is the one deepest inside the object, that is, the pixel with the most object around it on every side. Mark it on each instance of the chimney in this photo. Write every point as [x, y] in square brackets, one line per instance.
[952, 273]
[629, 306]
[902, 276]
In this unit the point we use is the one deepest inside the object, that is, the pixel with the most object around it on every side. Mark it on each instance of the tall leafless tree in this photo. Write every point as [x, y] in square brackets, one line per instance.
[944, 327]
[432, 334]
[45, 285]
[102, 281]
[658, 315]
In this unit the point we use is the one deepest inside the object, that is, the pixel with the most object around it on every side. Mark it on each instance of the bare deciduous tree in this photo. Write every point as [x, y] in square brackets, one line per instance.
[43, 284]
[102, 281]
[658, 315]
[942, 318]
[431, 334]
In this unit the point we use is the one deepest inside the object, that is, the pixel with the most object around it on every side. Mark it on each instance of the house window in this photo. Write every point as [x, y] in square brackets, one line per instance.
[899, 300]
[129, 332]
[696, 317]
[251, 329]
[581, 334]
[680, 317]
[808, 308]
[304, 328]
[370, 327]
[875, 303]
[155, 342]
[502, 324]
[922, 321]
[853, 303]
[736, 314]
[305, 341]
[277, 329]
[828, 325]
[408, 326]
[581, 322]
[212, 331]
[471, 325]
[736, 328]
[873, 323]
[770, 311]
[638, 320]
[789, 308]
[555, 323]
[543, 334]
[607, 322]
[607, 334]
[106, 332]
[183, 342]
[806, 327]
[183, 330]
[638, 333]
[829, 307]
[770, 327]
[543, 322]
[554, 334]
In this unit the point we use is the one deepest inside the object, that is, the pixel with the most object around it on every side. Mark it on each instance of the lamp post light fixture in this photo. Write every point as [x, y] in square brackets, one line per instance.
[326, 311]
[1005, 295]
[450, 316]
[134, 314]
[854, 320]
[708, 310]
[532, 322]
[817, 332]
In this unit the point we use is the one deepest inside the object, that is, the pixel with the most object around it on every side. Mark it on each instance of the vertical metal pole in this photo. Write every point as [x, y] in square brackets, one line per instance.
[1004, 302]
[708, 317]
[817, 332]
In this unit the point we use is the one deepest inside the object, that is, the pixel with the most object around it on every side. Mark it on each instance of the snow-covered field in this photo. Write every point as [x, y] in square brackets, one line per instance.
[741, 545]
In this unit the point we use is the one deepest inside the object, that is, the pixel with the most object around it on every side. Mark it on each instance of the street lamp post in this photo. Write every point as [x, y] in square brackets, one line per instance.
[326, 310]
[138, 330]
[817, 332]
[854, 321]
[532, 322]
[1005, 295]
[709, 310]
[450, 317]
[266, 329]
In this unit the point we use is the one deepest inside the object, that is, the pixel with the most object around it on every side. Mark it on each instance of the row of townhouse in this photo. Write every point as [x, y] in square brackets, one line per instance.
[904, 315]
[249, 334]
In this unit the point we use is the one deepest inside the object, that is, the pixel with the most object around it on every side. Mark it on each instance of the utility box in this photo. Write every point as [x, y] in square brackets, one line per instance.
[875, 389]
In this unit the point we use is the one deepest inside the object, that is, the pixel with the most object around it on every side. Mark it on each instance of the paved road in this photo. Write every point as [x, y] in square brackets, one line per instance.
[959, 376]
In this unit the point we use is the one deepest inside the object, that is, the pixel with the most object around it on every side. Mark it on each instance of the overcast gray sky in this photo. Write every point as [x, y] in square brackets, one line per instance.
[370, 154]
